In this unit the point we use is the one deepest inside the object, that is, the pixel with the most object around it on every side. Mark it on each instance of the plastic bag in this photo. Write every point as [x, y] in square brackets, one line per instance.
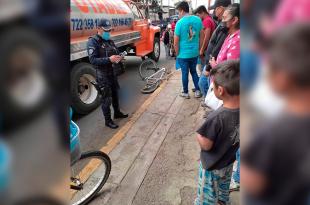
[211, 100]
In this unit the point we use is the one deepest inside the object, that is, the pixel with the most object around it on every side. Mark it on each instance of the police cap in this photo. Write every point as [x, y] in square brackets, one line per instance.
[105, 25]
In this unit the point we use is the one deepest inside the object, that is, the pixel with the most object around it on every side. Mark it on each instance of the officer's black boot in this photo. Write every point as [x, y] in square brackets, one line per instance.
[107, 115]
[119, 114]
[111, 124]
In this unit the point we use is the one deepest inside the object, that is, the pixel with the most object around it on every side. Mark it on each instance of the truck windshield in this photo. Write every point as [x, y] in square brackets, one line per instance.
[136, 12]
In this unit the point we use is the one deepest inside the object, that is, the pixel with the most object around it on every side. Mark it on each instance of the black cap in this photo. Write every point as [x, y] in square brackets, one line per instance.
[105, 24]
[219, 3]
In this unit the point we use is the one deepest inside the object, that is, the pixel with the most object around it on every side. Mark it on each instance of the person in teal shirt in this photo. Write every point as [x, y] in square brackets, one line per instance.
[187, 41]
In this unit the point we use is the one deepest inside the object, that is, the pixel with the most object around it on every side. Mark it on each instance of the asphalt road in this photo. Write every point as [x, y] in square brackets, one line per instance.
[94, 134]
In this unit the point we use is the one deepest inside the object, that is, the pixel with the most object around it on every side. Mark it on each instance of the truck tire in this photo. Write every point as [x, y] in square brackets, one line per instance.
[156, 50]
[84, 96]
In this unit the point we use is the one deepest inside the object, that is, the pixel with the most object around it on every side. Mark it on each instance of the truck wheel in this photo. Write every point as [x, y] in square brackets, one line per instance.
[156, 50]
[84, 95]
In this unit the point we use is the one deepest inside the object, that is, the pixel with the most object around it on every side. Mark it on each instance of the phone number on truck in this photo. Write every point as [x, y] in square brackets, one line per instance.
[89, 24]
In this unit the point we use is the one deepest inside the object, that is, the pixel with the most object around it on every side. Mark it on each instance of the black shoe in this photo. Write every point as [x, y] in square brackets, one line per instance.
[111, 125]
[118, 115]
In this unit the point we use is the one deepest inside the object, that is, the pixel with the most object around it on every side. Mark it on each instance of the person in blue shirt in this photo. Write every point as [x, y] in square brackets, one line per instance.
[187, 42]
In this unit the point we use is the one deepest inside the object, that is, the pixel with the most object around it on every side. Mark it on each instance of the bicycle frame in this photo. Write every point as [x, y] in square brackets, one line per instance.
[152, 77]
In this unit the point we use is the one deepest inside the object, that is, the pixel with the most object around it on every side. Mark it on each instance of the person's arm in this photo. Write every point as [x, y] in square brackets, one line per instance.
[201, 35]
[177, 33]
[201, 38]
[208, 132]
[258, 160]
[207, 35]
[205, 143]
[205, 42]
[252, 181]
[176, 44]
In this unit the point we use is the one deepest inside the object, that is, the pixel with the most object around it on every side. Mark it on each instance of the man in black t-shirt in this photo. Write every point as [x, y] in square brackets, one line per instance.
[218, 137]
[275, 165]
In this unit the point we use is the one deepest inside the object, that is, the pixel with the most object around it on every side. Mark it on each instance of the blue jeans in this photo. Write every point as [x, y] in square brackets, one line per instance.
[204, 83]
[236, 174]
[188, 65]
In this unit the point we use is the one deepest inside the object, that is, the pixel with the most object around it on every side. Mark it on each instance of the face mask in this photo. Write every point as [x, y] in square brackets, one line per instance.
[215, 17]
[224, 23]
[224, 26]
[106, 35]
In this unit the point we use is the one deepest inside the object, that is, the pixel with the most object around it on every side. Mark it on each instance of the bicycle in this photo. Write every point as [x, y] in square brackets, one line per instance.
[152, 75]
[86, 187]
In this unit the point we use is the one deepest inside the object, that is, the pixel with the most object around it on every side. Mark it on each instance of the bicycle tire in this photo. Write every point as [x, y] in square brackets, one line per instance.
[150, 88]
[147, 68]
[106, 160]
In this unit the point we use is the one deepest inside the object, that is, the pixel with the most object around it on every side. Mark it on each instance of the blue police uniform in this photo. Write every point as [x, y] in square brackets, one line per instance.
[99, 51]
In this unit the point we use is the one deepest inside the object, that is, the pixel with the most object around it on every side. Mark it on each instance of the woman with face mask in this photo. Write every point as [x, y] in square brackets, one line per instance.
[231, 46]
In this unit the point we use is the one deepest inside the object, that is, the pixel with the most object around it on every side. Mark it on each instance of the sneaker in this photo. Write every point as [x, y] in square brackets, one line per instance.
[185, 95]
[234, 186]
[198, 94]
[193, 90]
[203, 104]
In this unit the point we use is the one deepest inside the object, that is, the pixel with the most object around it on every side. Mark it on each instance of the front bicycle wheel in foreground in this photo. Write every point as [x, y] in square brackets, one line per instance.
[86, 184]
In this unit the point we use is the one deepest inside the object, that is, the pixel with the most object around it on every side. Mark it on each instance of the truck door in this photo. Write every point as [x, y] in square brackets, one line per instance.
[140, 23]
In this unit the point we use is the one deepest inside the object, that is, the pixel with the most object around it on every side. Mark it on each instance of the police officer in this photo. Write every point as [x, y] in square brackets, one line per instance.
[104, 55]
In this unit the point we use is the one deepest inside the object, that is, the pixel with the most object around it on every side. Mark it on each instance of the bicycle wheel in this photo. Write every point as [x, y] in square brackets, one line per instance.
[147, 68]
[150, 87]
[87, 187]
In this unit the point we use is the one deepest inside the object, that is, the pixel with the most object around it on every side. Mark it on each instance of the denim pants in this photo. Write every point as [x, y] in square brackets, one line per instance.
[204, 83]
[188, 65]
[167, 49]
[236, 174]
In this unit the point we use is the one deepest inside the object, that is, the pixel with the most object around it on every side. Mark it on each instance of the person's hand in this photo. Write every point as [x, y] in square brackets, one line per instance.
[202, 58]
[201, 53]
[115, 58]
[206, 73]
[212, 62]
[121, 58]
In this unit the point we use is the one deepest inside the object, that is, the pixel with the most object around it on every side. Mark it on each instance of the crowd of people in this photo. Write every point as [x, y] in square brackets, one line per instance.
[214, 42]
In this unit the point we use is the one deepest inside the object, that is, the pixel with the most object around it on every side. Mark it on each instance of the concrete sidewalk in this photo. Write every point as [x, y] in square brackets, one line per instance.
[156, 163]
